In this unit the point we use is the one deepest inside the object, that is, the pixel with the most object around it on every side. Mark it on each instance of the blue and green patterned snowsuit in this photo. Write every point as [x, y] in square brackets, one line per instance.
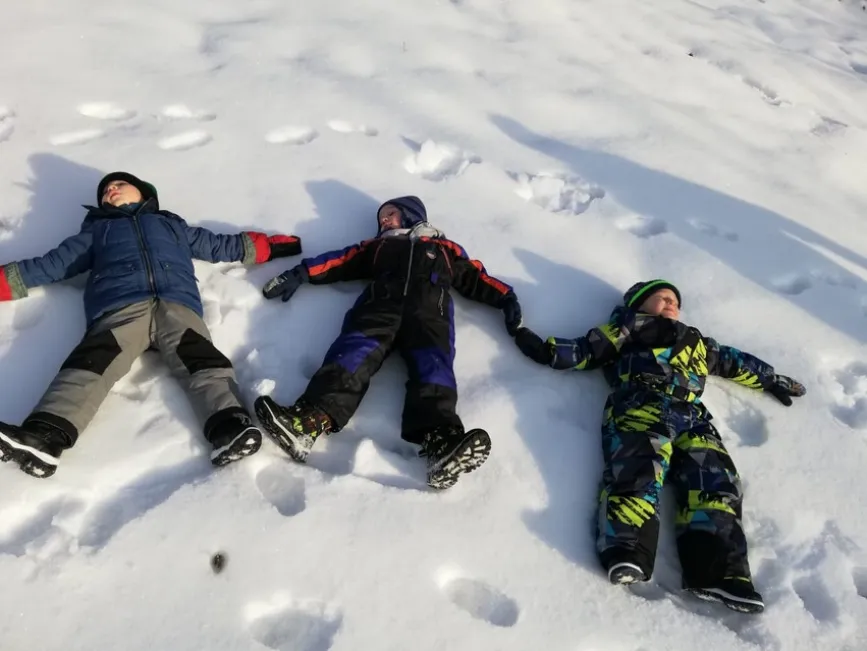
[655, 429]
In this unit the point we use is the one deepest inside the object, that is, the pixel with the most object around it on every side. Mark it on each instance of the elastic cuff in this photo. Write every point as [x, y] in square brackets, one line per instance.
[57, 422]
[12, 285]
[287, 245]
[221, 417]
[256, 248]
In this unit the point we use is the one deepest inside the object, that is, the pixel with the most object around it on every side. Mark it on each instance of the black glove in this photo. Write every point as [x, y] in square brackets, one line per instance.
[287, 283]
[534, 347]
[784, 387]
[512, 313]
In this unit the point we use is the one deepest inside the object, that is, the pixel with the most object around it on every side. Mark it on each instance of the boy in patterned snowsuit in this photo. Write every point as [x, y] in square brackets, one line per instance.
[407, 306]
[141, 293]
[656, 429]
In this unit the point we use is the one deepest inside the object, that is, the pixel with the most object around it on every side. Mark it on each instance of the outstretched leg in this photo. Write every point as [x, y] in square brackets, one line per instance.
[337, 388]
[103, 357]
[207, 375]
[636, 445]
[427, 344]
[710, 537]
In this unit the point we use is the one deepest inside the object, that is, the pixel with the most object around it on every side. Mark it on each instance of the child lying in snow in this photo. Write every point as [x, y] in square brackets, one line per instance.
[656, 428]
[141, 293]
[407, 306]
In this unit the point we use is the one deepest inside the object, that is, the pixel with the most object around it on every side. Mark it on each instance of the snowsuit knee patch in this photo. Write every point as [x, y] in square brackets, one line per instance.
[197, 353]
[95, 353]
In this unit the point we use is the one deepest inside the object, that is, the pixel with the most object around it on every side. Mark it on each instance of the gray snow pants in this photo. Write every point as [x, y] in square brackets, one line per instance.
[116, 340]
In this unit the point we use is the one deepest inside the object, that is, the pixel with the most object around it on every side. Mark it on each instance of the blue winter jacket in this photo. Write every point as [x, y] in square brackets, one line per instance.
[132, 256]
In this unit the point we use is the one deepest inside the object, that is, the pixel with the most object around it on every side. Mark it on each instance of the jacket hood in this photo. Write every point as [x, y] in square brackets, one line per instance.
[411, 208]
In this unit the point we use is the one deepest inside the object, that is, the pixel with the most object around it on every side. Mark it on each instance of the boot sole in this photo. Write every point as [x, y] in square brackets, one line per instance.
[32, 461]
[246, 443]
[471, 453]
[740, 604]
[282, 435]
[625, 574]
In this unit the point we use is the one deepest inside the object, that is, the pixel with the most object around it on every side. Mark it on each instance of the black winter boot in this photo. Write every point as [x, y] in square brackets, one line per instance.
[625, 566]
[736, 593]
[233, 435]
[450, 452]
[35, 446]
[295, 428]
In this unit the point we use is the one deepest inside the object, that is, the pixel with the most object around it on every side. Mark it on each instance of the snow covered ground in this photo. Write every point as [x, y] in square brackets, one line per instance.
[575, 146]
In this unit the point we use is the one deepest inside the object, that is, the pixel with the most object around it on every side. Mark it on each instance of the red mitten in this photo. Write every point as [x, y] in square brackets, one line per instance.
[270, 247]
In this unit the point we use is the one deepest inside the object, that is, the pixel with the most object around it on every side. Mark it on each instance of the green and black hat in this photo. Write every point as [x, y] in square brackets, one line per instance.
[637, 294]
[147, 190]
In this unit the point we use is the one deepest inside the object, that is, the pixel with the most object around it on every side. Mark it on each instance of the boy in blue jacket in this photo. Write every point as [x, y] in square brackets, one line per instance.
[141, 293]
[655, 429]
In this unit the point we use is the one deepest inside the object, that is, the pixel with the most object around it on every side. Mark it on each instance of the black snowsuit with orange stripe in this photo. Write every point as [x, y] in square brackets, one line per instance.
[407, 306]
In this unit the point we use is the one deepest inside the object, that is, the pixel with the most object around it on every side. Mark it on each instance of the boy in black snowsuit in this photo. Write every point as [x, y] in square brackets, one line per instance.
[141, 293]
[655, 428]
[407, 306]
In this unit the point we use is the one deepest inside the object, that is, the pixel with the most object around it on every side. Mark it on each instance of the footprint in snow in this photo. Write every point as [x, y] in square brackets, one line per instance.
[764, 91]
[481, 601]
[813, 593]
[296, 626]
[826, 126]
[792, 284]
[186, 140]
[76, 137]
[342, 126]
[556, 191]
[796, 283]
[438, 161]
[291, 135]
[851, 402]
[184, 112]
[281, 488]
[712, 230]
[642, 226]
[38, 527]
[105, 111]
[736, 70]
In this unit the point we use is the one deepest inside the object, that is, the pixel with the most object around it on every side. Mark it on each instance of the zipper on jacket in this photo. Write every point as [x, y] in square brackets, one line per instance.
[145, 255]
[409, 266]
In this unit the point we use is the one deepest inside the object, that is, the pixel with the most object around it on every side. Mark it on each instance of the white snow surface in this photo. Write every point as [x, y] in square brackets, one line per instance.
[575, 147]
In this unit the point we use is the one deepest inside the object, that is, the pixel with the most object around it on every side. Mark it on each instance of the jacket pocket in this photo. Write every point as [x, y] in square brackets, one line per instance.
[123, 269]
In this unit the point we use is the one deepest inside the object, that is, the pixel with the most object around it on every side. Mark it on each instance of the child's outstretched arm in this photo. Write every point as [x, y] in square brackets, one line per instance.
[248, 247]
[598, 347]
[471, 280]
[72, 257]
[751, 372]
[583, 353]
[352, 263]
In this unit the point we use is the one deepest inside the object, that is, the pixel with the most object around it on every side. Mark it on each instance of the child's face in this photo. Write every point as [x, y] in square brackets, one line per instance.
[389, 217]
[120, 193]
[661, 303]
